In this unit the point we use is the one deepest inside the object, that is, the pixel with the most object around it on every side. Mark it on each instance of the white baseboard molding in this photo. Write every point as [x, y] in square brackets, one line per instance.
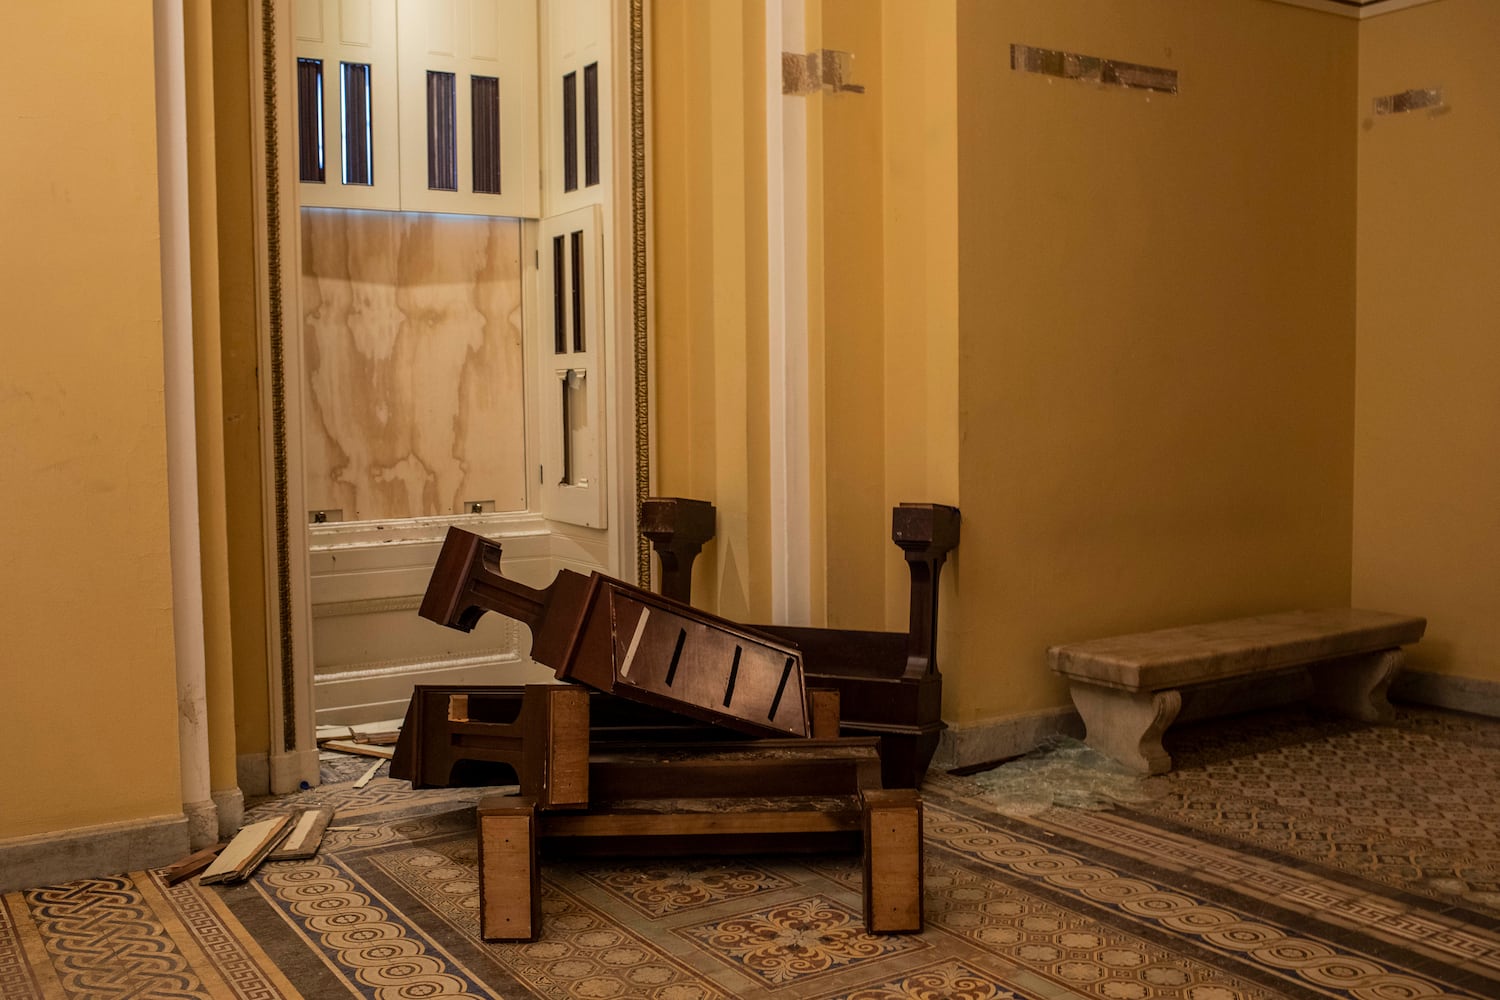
[1003, 738]
[360, 697]
[92, 851]
[253, 773]
[293, 771]
[1458, 694]
[231, 805]
[275, 773]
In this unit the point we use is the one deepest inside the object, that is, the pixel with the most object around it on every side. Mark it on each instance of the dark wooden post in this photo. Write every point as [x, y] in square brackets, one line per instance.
[926, 533]
[678, 528]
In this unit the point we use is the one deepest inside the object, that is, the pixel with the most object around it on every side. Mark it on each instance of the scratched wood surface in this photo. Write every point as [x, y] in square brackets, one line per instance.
[412, 343]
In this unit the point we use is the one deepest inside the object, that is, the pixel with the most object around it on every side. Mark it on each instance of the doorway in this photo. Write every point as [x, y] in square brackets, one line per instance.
[410, 390]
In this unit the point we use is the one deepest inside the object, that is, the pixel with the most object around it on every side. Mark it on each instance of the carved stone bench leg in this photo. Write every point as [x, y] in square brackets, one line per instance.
[1355, 686]
[510, 888]
[893, 861]
[1128, 726]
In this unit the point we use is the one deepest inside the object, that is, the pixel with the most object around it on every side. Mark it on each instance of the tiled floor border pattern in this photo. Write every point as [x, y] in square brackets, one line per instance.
[1139, 902]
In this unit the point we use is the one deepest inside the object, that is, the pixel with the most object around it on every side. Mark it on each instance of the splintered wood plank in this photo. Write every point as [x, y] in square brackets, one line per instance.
[192, 864]
[893, 862]
[306, 836]
[360, 749]
[247, 850]
[509, 879]
[365, 778]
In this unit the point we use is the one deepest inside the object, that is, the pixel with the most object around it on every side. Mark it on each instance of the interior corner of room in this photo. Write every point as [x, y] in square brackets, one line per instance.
[1188, 309]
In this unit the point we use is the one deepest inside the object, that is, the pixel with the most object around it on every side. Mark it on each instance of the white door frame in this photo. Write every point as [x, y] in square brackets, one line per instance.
[292, 757]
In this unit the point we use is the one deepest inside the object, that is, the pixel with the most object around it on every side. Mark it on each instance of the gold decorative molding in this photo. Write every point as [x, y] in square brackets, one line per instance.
[638, 283]
[287, 663]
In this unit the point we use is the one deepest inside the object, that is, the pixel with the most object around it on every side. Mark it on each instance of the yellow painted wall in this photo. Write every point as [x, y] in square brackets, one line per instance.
[919, 279]
[235, 224]
[85, 576]
[708, 285]
[883, 163]
[1156, 329]
[1427, 466]
[857, 518]
[208, 392]
[882, 194]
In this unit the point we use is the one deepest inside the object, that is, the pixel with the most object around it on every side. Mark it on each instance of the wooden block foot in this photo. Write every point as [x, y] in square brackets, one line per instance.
[509, 879]
[893, 862]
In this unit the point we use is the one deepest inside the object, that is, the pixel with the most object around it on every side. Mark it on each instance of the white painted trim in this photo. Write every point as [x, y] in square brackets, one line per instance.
[418, 666]
[289, 771]
[230, 805]
[252, 772]
[182, 435]
[776, 280]
[365, 696]
[91, 851]
[786, 242]
[422, 530]
[1367, 8]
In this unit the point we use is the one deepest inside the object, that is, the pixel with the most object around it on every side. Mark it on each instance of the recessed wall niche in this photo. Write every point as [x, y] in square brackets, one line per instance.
[412, 333]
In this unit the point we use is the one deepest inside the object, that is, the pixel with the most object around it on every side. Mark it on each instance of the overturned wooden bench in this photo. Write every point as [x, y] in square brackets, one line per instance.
[888, 682]
[1128, 688]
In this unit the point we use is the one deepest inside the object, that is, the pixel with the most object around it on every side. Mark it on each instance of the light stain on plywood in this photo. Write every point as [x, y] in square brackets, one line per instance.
[412, 338]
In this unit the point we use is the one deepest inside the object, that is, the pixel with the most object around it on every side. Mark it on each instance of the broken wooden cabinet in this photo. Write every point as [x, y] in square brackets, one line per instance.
[621, 639]
[458, 735]
[539, 731]
[889, 682]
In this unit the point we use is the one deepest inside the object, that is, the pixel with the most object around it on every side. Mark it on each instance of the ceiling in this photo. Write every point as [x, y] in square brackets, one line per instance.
[1356, 8]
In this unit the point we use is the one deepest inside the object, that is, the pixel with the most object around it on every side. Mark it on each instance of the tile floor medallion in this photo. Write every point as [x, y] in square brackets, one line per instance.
[660, 888]
[1288, 857]
[797, 941]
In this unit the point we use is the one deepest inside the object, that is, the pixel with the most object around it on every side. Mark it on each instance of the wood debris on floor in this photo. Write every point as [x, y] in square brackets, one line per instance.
[293, 836]
[376, 739]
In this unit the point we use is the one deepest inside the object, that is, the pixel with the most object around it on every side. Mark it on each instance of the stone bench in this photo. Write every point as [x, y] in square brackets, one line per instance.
[1128, 688]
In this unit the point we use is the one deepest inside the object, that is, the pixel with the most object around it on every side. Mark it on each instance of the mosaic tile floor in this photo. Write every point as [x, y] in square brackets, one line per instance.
[1287, 857]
